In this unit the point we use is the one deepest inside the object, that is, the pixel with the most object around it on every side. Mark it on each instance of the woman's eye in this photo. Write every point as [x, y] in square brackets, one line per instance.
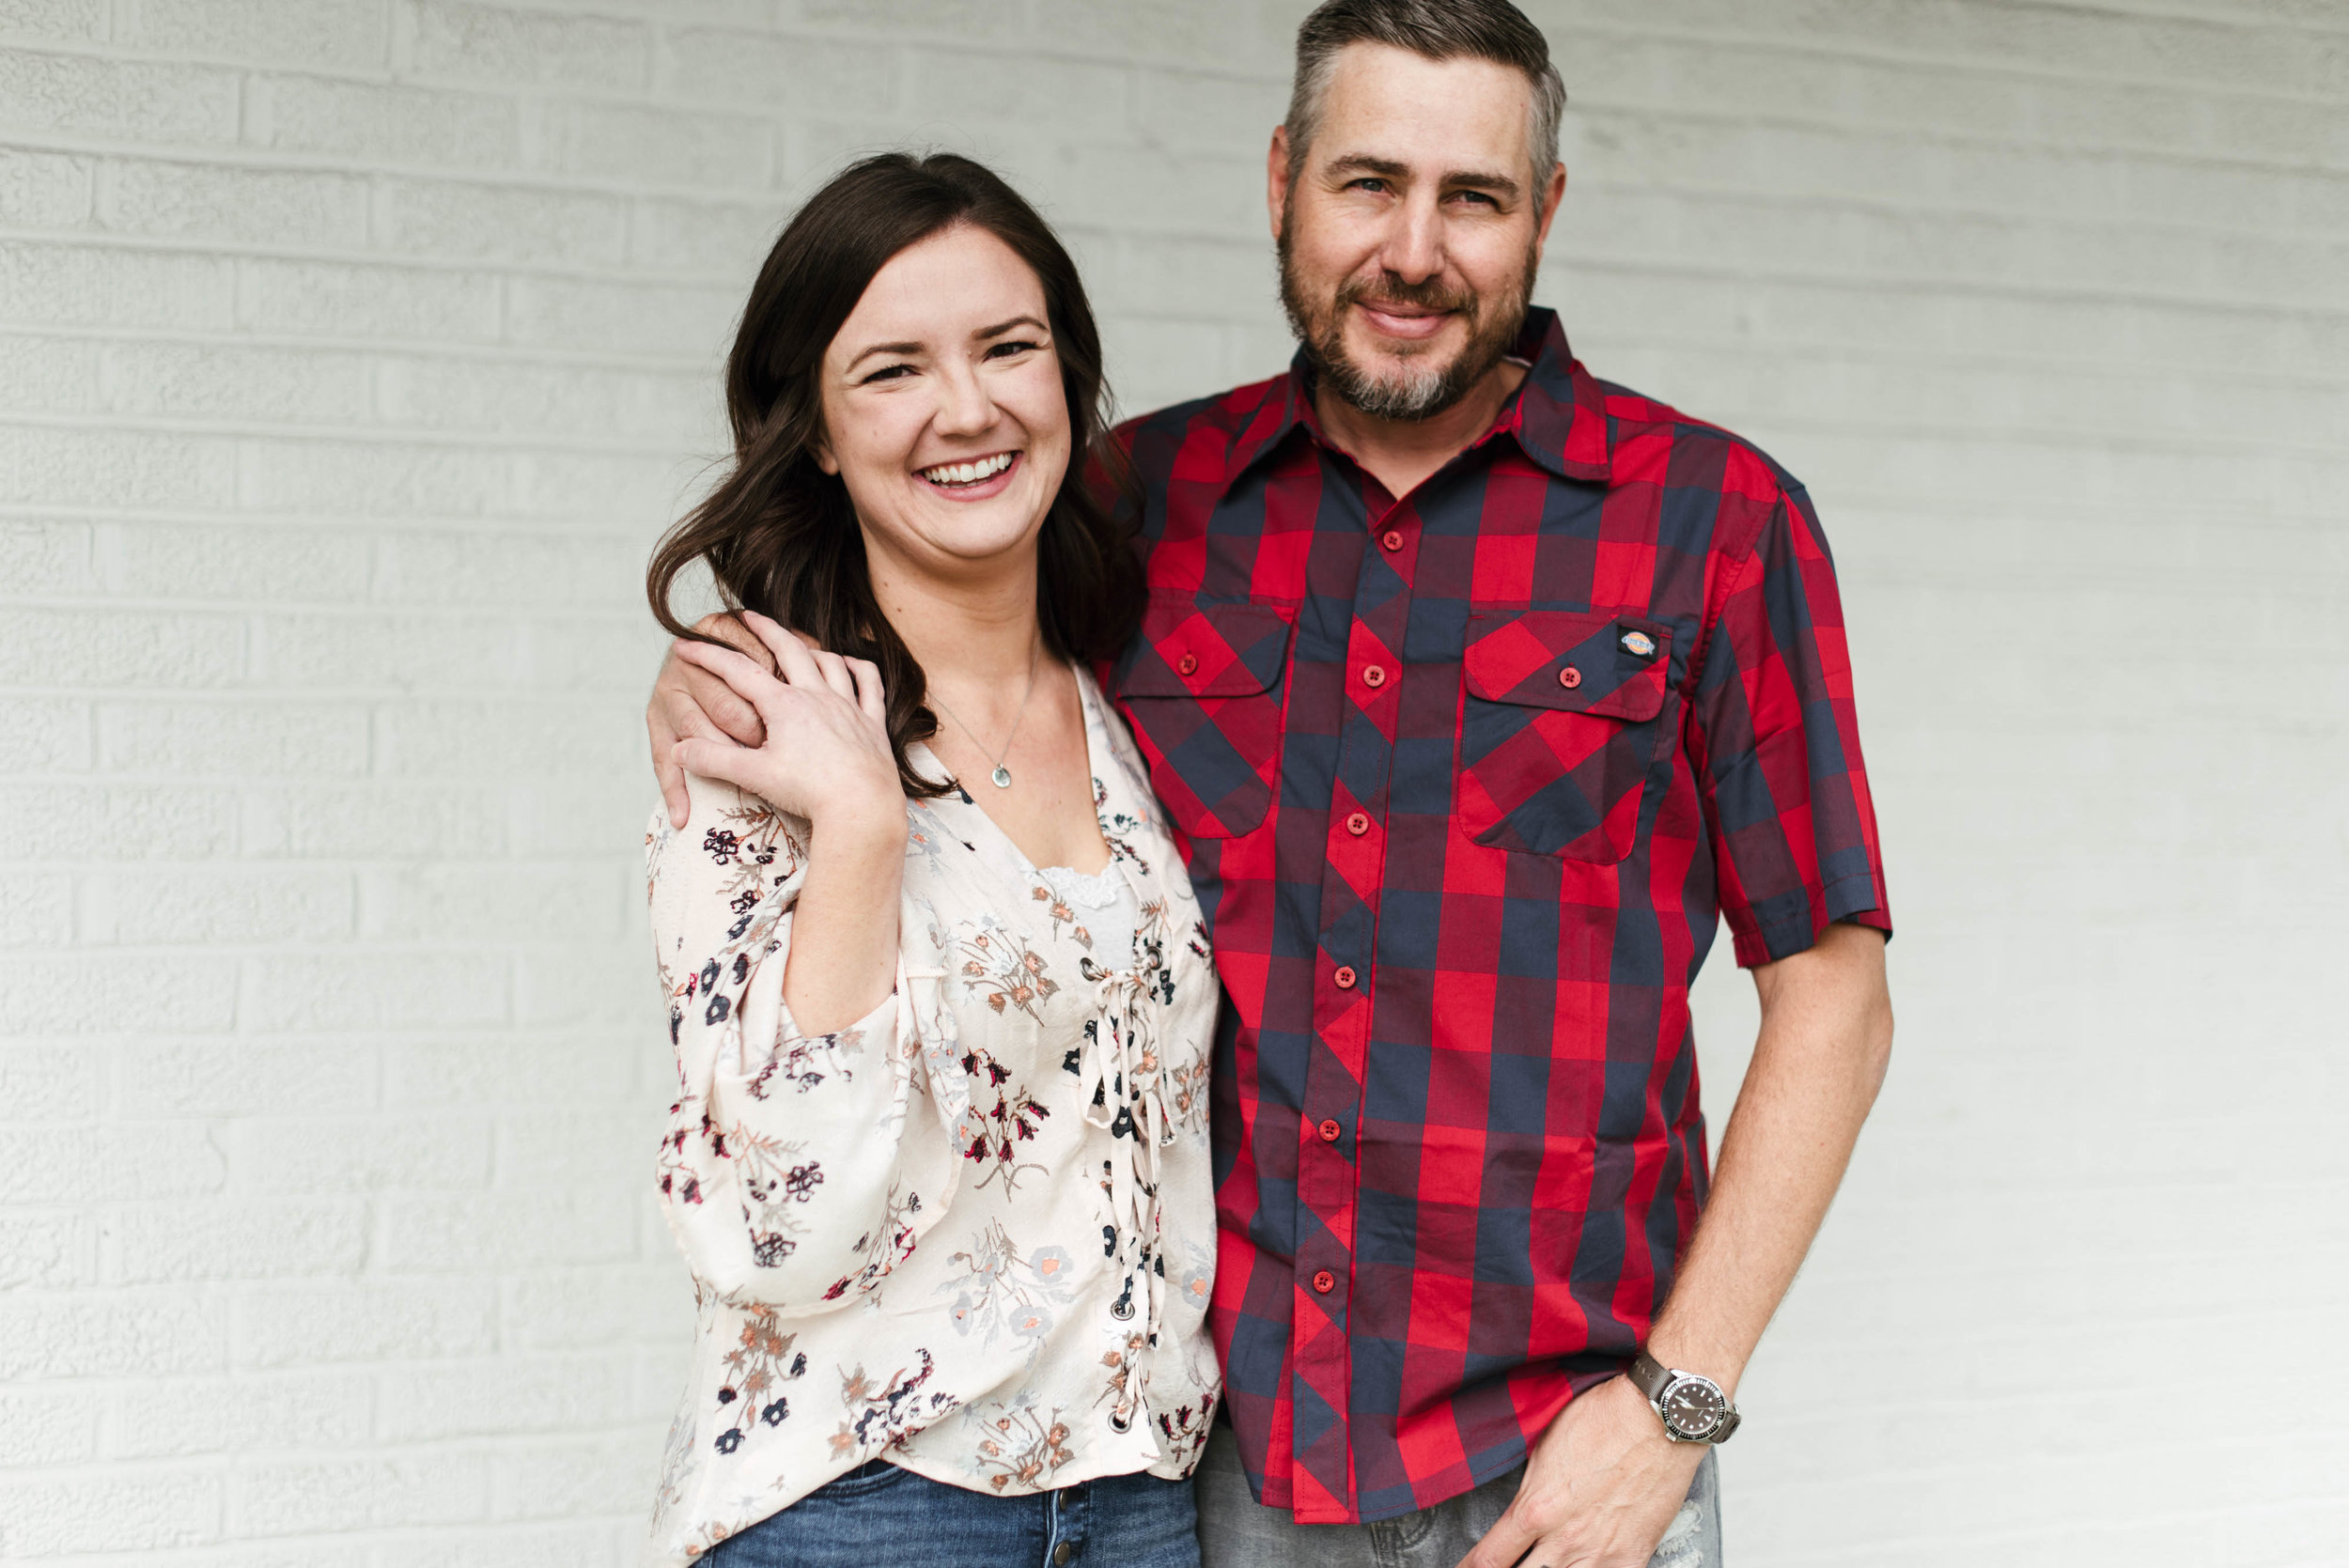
[1016, 346]
[887, 373]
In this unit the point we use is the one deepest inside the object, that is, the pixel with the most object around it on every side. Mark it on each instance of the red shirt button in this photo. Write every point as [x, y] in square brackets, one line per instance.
[1345, 977]
[1568, 677]
[1189, 663]
[1330, 1131]
[1374, 675]
[1391, 540]
[1325, 1281]
[1358, 824]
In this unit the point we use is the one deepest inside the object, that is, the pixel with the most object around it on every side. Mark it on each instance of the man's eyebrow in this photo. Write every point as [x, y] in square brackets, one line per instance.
[1363, 163]
[1357, 164]
[1481, 181]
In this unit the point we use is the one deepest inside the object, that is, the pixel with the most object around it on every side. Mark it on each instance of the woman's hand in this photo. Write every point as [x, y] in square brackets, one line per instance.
[826, 754]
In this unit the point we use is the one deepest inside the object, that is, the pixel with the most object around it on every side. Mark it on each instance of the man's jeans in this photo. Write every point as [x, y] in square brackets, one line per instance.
[1238, 1532]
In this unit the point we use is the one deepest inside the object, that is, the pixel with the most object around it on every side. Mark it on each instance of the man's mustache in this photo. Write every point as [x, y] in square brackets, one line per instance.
[1392, 290]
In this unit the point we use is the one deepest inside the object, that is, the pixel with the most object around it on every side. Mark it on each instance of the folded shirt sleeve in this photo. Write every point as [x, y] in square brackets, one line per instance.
[798, 1169]
[1785, 793]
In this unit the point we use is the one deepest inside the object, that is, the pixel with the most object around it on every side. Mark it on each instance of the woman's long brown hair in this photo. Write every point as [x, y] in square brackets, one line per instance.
[779, 533]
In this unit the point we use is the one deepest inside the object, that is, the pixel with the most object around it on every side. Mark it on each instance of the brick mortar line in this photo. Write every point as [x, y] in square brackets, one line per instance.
[502, 270]
[1560, 253]
[1594, 109]
[2035, 434]
[2132, 436]
[1741, 193]
[520, 445]
[663, 90]
[385, 354]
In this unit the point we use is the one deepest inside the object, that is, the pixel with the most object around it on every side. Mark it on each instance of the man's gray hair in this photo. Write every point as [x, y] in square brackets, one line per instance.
[1438, 30]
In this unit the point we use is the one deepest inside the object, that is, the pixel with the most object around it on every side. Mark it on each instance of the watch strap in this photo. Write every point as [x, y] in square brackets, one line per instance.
[1650, 1376]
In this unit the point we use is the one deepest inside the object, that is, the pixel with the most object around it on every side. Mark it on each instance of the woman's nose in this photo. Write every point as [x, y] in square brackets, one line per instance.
[963, 406]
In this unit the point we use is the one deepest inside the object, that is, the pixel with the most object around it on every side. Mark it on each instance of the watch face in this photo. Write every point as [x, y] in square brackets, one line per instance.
[1692, 1408]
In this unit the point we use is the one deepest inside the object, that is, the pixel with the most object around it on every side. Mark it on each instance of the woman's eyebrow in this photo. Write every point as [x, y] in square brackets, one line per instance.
[885, 349]
[999, 330]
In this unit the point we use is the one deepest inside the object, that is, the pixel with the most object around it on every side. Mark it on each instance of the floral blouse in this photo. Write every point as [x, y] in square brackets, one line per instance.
[974, 1232]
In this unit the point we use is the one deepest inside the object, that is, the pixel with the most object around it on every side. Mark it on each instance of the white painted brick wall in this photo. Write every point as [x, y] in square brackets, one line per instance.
[351, 352]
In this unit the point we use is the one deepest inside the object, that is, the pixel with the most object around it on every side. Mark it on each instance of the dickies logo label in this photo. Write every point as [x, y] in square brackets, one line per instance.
[1639, 645]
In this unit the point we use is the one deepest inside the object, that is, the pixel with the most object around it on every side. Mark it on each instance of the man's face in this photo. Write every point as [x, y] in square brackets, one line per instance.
[1408, 240]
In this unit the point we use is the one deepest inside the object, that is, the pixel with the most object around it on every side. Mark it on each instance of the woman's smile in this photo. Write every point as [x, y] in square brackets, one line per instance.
[973, 478]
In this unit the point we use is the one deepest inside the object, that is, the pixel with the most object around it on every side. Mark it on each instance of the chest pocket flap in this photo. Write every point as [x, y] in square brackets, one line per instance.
[1577, 661]
[1189, 649]
[1203, 687]
[1562, 728]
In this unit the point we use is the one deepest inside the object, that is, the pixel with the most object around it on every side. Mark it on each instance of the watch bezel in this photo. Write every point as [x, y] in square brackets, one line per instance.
[1721, 1417]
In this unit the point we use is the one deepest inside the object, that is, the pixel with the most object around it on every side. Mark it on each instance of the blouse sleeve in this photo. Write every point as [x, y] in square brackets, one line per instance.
[798, 1170]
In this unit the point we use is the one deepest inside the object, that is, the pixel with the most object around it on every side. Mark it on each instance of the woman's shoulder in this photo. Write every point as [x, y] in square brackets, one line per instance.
[735, 850]
[1128, 777]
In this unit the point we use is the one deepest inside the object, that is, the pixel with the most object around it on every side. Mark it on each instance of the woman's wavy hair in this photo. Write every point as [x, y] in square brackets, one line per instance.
[779, 533]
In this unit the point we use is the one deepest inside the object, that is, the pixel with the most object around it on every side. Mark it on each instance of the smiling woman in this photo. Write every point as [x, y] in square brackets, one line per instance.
[939, 1153]
[882, 243]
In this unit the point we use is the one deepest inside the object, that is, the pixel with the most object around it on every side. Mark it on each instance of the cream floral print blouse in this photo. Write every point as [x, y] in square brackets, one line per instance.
[974, 1232]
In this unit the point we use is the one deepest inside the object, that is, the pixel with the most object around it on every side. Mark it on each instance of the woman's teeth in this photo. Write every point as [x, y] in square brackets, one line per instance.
[969, 473]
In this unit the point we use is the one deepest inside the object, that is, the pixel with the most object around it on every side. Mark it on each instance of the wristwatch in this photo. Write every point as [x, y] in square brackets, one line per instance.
[1692, 1408]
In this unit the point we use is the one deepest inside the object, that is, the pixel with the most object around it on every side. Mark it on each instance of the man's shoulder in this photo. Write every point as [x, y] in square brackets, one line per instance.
[1212, 425]
[1650, 442]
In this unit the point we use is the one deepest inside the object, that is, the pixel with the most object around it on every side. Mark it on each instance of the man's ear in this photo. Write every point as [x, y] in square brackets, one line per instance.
[1553, 195]
[1276, 179]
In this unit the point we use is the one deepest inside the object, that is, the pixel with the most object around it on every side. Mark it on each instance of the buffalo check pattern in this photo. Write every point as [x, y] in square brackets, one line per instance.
[1465, 779]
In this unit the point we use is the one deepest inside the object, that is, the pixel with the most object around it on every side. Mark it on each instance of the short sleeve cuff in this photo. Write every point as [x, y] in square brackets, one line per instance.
[1856, 898]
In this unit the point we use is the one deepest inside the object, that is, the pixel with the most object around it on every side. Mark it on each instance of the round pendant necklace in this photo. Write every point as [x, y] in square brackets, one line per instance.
[1001, 778]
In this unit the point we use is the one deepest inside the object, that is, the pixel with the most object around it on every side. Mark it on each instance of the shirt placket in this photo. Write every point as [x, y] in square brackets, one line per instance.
[1345, 976]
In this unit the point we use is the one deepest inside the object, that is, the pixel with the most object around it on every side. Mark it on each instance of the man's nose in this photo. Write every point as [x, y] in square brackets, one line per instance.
[1414, 247]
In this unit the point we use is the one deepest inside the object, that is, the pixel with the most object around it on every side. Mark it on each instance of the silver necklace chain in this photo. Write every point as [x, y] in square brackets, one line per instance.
[1001, 778]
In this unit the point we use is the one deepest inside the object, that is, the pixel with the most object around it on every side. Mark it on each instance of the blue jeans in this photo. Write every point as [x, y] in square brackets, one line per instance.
[1238, 1532]
[878, 1515]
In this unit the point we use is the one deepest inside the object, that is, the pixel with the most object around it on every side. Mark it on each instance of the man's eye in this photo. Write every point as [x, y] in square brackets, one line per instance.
[1477, 197]
[1370, 183]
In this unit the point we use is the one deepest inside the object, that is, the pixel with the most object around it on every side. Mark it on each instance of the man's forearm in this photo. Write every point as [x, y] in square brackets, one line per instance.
[1826, 1034]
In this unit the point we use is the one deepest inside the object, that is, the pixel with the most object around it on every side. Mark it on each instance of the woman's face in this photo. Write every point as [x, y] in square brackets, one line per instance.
[944, 411]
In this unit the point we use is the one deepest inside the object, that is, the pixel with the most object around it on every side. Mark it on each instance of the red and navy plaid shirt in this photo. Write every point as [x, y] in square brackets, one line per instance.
[1465, 779]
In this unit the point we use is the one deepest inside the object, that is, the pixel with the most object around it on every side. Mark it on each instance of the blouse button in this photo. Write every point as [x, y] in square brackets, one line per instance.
[1325, 1281]
[1358, 824]
[1373, 675]
[1569, 677]
[1391, 540]
[1187, 664]
[1345, 977]
[1330, 1131]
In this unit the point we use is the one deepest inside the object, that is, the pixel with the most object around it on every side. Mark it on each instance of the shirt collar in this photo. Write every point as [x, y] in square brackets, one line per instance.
[1557, 416]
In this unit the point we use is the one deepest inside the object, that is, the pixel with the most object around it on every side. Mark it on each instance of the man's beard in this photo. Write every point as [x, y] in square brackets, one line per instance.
[1409, 394]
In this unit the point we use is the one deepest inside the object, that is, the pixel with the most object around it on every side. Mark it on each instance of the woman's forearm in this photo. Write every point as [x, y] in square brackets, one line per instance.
[843, 929]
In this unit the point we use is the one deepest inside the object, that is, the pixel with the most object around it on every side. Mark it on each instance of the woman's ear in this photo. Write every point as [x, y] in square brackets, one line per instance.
[822, 448]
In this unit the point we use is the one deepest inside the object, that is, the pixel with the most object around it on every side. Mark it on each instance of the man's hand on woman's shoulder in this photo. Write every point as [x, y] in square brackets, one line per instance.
[795, 725]
[690, 702]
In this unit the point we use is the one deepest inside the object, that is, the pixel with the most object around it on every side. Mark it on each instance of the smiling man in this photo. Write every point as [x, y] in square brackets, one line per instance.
[1478, 692]
[1479, 689]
